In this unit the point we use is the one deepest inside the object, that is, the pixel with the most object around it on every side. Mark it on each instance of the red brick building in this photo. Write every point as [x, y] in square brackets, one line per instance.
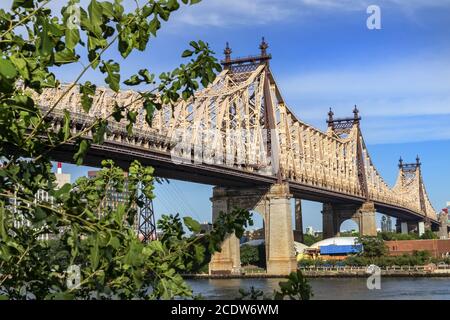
[437, 248]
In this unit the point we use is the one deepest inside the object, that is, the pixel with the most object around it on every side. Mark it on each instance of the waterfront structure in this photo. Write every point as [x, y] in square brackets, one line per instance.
[239, 135]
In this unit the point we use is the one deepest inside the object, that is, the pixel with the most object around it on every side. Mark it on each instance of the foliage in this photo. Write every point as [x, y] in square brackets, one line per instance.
[253, 294]
[113, 262]
[391, 236]
[428, 234]
[249, 255]
[295, 288]
[84, 232]
[253, 255]
[309, 240]
[417, 258]
[372, 247]
[349, 234]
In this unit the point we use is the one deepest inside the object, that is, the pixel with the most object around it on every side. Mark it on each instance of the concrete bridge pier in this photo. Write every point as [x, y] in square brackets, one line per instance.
[228, 260]
[333, 215]
[406, 227]
[275, 207]
[443, 225]
[298, 231]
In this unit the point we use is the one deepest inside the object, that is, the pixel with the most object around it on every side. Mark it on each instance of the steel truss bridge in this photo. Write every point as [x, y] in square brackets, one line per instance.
[239, 135]
[248, 137]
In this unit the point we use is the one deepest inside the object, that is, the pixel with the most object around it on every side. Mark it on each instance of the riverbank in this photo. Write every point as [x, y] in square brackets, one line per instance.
[337, 272]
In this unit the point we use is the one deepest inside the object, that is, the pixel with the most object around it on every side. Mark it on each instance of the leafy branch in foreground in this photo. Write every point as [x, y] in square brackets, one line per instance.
[295, 288]
[42, 240]
[100, 240]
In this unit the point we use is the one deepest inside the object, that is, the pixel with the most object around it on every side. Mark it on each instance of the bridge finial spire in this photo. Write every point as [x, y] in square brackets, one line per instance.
[330, 117]
[418, 161]
[263, 46]
[356, 113]
[400, 163]
[227, 52]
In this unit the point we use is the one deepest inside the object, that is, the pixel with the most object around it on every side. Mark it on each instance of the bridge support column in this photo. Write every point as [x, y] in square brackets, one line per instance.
[421, 227]
[443, 225]
[367, 222]
[406, 227]
[330, 227]
[275, 206]
[298, 231]
[279, 237]
[228, 260]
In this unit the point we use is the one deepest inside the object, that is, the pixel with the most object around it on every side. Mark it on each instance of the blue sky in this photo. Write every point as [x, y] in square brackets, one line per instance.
[324, 56]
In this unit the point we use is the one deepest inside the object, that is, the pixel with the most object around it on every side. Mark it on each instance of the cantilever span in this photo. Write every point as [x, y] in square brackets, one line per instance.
[245, 130]
[239, 135]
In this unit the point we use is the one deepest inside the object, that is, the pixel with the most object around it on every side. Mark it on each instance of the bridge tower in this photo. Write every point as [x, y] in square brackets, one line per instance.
[410, 180]
[272, 203]
[333, 214]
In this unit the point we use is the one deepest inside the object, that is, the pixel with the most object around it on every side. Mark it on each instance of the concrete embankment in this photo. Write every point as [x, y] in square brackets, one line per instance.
[334, 273]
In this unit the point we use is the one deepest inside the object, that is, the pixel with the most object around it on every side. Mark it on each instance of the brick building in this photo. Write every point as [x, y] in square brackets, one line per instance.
[437, 248]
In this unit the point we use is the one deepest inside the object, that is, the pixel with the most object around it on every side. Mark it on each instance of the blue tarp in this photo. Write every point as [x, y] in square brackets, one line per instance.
[340, 249]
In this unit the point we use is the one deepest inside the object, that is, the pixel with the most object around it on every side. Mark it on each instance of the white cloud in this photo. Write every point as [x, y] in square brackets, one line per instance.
[225, 13]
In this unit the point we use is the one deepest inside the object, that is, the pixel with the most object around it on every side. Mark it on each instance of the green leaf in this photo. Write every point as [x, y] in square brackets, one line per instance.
[192, 224]
[187, 53]
[65, 189]
[7, 69]
[87, 91]
[99, 132]
[117, 114]
[65, 56]
[112, 69]
[133, 81]
[95, 17]
[39, 214]
[146, 75]
[22, 3]
[66, 127]
[95, 252]
[72, 32]
[83, 147]
[149, 107]
[45, 44]
[21, 66]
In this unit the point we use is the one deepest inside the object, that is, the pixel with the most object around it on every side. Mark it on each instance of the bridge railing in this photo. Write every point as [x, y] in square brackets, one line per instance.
[364, 268]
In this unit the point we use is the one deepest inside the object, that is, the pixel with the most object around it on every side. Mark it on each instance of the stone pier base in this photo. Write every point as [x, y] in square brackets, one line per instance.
[274, 205]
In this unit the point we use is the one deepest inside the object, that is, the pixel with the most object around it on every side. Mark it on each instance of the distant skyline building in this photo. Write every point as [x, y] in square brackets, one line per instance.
[309, 231]
[386, 224]
[61, 178]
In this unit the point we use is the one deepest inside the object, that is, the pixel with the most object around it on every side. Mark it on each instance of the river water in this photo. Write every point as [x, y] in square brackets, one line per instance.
[333, 288]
